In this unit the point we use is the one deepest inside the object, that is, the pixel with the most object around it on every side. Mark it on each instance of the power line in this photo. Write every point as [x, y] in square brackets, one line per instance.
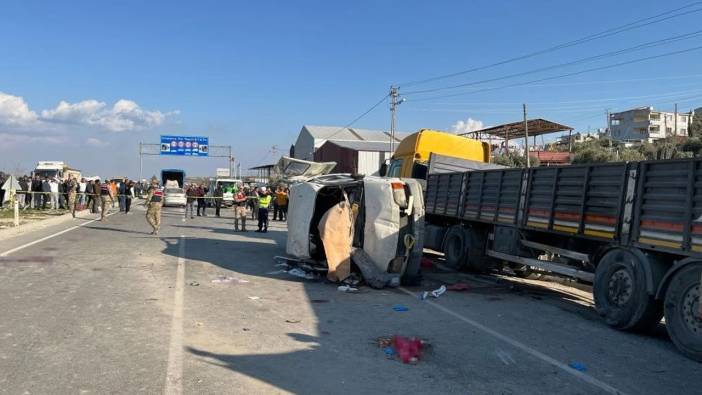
[373, 107]
[606, 33]
[610, 66]
[605, 55]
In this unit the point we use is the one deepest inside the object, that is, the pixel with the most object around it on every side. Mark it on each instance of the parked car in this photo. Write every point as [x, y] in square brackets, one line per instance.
[174, 196]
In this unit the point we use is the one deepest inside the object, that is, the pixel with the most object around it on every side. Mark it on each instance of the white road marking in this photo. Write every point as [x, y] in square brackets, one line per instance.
[31, 243]
[516, 344]
[174, 372]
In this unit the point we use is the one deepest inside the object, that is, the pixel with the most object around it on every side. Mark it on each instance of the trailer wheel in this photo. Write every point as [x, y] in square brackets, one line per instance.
[455, 247]
[620, 292]
[682, 311]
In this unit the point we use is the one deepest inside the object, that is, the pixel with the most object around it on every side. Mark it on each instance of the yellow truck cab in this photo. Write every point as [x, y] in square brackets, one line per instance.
[411, 158]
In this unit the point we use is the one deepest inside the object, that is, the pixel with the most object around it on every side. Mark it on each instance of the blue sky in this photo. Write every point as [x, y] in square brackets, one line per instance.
[250, 74]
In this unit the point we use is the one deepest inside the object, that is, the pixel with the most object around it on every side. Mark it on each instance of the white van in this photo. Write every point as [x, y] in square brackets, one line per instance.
[389, 226]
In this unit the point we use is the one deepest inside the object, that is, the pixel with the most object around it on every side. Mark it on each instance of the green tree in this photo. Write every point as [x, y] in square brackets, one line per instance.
[512, 160]
[593, 155]
[696, 124]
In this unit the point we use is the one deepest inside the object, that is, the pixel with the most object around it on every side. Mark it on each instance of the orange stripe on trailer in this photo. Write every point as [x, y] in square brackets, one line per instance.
[599, 233]
[657, 242]
[601, 219]
[539, 212]
[565, 215]
[662, 225]
[697, 228]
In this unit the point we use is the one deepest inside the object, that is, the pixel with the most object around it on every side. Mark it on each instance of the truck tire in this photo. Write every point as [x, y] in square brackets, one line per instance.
[456, 247]
[682, 310]
[620, 293]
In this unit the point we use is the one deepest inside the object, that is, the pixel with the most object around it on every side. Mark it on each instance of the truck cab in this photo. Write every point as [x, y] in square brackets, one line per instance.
[411, 158]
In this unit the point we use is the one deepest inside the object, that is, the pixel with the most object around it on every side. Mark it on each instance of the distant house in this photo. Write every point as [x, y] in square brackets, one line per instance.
[645, 124]
[355, 157]
[312, 137]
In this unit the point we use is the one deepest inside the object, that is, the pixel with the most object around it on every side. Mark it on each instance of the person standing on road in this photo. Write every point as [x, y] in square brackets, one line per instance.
[90, 195]
[122, 194]
[240, 203]
[264, 202]
[154, 199]
[129, 195]
[106, 199]
[201, 204]
[218, 196]
[71, 188]
[281, 198]
[253, 202]
[54, 193]
[190, 195]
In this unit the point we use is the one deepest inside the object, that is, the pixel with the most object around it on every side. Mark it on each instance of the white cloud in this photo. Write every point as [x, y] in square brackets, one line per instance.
[12, 141]
[469, 125]
[93, 142]
[124, 115]
[15, 111]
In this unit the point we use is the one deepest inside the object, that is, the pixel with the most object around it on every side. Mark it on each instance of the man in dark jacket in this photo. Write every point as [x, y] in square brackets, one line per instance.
[45, 193]
[218, 195]
[201, 204]
[122, 193]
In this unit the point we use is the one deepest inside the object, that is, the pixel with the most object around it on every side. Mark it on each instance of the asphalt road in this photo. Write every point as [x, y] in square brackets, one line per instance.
[108, 308]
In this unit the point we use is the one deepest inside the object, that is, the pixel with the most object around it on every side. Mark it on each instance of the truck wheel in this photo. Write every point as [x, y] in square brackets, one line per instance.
[682, 311]
[455, 247]
[620, 292]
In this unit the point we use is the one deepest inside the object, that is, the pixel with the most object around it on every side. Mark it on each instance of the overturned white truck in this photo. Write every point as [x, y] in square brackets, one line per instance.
[334, 217]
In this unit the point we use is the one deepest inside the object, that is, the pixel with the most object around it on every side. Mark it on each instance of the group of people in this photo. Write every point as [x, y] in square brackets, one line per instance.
[259, 200]
[196, 193]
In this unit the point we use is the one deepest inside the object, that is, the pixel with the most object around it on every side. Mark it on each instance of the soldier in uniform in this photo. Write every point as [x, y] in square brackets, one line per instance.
[106, 200]
[71, 186]
[153, 202]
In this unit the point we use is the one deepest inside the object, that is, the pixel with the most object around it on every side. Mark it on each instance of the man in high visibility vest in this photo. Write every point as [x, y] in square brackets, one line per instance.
[264, 201]
[154, 199]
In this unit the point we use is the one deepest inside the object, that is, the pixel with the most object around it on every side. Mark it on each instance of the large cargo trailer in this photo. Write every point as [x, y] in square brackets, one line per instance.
[634, 230]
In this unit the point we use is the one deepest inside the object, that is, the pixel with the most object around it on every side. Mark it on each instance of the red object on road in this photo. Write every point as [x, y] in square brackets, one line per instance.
[458, 287]
[408, 349]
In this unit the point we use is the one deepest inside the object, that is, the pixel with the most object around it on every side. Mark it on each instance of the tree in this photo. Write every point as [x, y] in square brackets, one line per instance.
[696, 124]
[512, 160]
[593, 155]
[693, 145]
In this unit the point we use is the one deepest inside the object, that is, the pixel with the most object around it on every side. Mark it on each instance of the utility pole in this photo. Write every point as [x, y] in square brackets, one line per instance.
[141, 162]
[675, 119]
[608, 129]
[394, 95]
[526, 136]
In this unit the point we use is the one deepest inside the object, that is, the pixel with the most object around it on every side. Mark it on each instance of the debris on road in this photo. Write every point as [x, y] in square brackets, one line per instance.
[347, 289]
[439, 291]
[458, 287]
[578, 366]
[254, 297]
[399, 307]
[408, 350]
[194, 284]
[373, 276]
[297, 272]
[293, 321]
[229, 279]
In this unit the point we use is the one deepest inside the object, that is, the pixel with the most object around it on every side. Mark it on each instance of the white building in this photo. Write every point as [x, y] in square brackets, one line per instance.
[312, 137]
[645, 124]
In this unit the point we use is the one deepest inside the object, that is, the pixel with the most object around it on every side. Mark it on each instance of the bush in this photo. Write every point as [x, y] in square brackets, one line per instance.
[512, 160]
[593, 155]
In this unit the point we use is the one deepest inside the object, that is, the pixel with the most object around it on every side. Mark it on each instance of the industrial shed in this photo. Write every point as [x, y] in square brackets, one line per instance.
[355, 157]
[312, 137]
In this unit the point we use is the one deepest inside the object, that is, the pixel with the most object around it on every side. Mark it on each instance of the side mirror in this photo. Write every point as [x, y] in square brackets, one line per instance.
[383, 169]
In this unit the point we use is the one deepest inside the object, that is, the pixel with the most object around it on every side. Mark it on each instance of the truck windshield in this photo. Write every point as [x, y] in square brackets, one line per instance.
[228, 187]
[395, 168]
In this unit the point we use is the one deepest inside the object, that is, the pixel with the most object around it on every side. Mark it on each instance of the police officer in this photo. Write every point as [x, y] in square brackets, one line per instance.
[154, 199]
[106, 200]
[264, 202]
[72, 187]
